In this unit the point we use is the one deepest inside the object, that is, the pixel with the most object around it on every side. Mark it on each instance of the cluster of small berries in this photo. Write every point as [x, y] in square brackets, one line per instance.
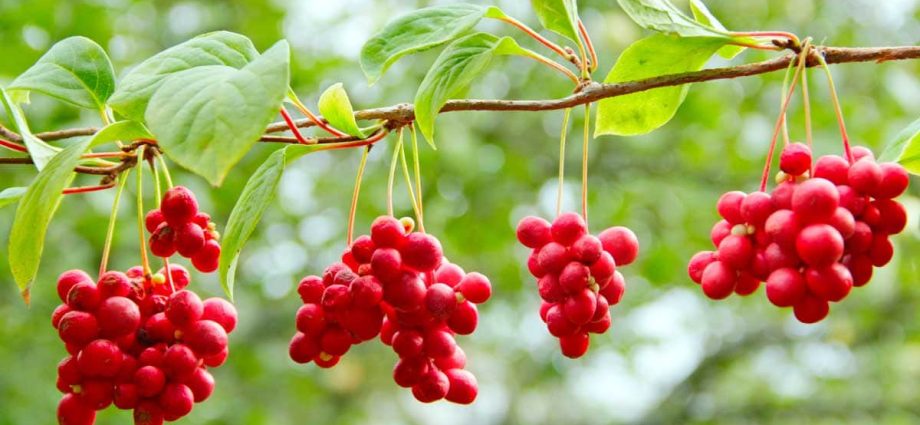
[576, 275]
[178, 226]
[141, 343]
[395, 283]
[817, 235]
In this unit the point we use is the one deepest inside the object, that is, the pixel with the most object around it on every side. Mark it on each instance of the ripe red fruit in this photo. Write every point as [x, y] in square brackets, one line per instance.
[179, 361]
[579, 307]
[698, 263]
[894, 181]
[567, 228]
[795, 159]
[386, 264]
[311, 289]
[366, 291]
[603, 268]
[84, 296]
[556, 322]
[786, 287]
[159, 328]
[201, 383]
[815, 199]
[882, 250]
[114, 284]
[621, 243]
[433, 386]
[552, 257]
[387, 232]
[405, 294]
[163, 241]
[893, 216]
[205, 337]
[408, 343]
[100, 358]
[475, 287]
[614, 291]
[575, 345]
[720, 231]
[464, 319]
[189, 239]
[78, 328]
[125, 396]
[179, 206]
[421, 252]
[736, 251]
[310, 319]
[150, 381]
[440, 300]
[176, 400]
[463, 386]
[207, 258]
[832, 283]
[68, 279]
[148, 412]
[574, 277]
[718, 280]
[153, 219]
[819, 245]
[118, 316]
[450, 274]
[756, 207]
[587, 249]
[865, 176]
[71, 411]
[533, 232]
[58, 313]
[439, 343]
[833, 168]
[303, 348]
[184, 307]
[729, 207]
[811, 309]
[409, 371]
[220, 311]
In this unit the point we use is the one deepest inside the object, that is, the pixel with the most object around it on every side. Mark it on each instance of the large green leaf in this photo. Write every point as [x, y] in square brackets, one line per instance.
[416, 31]
[11, 195]
[41, 199]
[662, 16]
[206, 118]
[660, 54]
[40, 151]
[702, 15]
[75, 70]
[251, 204]
[559, 16]
[337, 110]
[451, 74]
[216, 48]
[905, 148]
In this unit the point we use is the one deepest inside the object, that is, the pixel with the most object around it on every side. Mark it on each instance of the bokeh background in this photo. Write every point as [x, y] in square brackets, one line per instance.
[672, 356]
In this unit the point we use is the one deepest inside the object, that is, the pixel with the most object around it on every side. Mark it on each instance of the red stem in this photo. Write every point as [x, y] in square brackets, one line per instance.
[13, 146]
[319, 122]
[588, 44]
[533, 34]
[86, 189]
[293, 127]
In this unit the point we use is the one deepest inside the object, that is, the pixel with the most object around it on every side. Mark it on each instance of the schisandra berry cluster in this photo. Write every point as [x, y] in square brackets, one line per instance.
[178, 226]
[576, 275]
[812, 239]
[395, 283]
[138, 343]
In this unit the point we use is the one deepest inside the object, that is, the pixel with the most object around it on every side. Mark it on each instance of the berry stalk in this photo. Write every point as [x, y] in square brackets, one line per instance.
[562, 137]
[836, 102]
[782, 101]
[145, 262]
[87, 189]
[405, 169]
[354, 195]
[584, 162]
[110, 230]
[396, 147]
[316, 120]
[165, 168]
[418, 176]
[13, 146]
[587, 39]
[293, 127]
[806, 104]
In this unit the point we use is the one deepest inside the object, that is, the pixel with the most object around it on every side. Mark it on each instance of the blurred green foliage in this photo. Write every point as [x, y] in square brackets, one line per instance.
[672, 356]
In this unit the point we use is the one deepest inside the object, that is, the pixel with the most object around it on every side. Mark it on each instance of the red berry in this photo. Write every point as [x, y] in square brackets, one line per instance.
[832, 283]
[159, 328]
[201, 383]
[882, 250]
[756, 207]
[84, 296]
[587, 249]
[408, 343]
[575, 345]
[387, 232]
[310, 319]
[409, 371]
[184, 307]
[439, 343]
[736, 252]
[614, 291]
[574, 277]
[786, 287]
[603, 268]
[556, 322]
[100, 358]
[579, 307]
[207, 258]
[476, 288]
[698, 263]
[189, 239]
[366, 291]
[71, 411]
[456, 360]
[405, 294]
[386, 264]
[118, 316]
[894, 181]
[433, 386]
[153, 219]
[533, 232]
[336, 298]
[795, 159]
[326, 361]
[218, 359]
[59, 313]
[865, 176]
[205, 337]
[549, 288]
[833, 168]
[621, 243]
[362, 248]
[179, 206]
[843, 221]
[811, 309]
[78, 328]
[860, 267]
[303, 348]
[819, 245]
[148, 412]
[311, 289]
[68, 279]
[718, 280]
[335, 341]
[553, 257]
[176, 400]
[178, 276]
[150, 381]
[815, 199]
[729, 207]
[720, 231]
[463, 386]
[220, 311]
[421, 252]
[782, 195]
[114, 284]
[893, 218]
[440, 300]
[125, 396]
[567, 228]
[179, 361]
[464, 319]
[449, 274]
[163, 241]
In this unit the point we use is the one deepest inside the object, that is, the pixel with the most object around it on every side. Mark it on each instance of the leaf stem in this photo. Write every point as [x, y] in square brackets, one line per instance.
[553, 64]
[590, 45]
[316, 120]
[781, 34]
[837, 110]
[397, 145]
[87, 189]
[561, 190]
[540, 39]
[13, 146]
[584, 162]
[293, 127]
[779, 121]
[145, 263]
[354, 196]
[110, 230]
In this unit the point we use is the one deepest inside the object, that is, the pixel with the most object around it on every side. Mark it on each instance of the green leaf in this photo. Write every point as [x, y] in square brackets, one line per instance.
[215, 48]
[27, 236]
[207, 118]
[126, 130]
[454, 70]
[905, 148]
[417, 31]
[75, 70]
[702, 15]
[660, 54]
[559, 16]
[336, 108]
[40, 151]
[662, 16]
[251, 204]
[11, 195]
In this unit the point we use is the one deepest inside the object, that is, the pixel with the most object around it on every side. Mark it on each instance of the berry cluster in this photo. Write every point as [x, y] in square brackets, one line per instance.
[818, 234]
[141, 343]
[395, 283]
[178, 226]
[576, 275]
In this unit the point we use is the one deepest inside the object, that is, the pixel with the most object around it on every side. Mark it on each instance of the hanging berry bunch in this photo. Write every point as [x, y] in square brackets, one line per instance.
[395, 283]
[812, 239]
[178, 226]
[140, 340]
